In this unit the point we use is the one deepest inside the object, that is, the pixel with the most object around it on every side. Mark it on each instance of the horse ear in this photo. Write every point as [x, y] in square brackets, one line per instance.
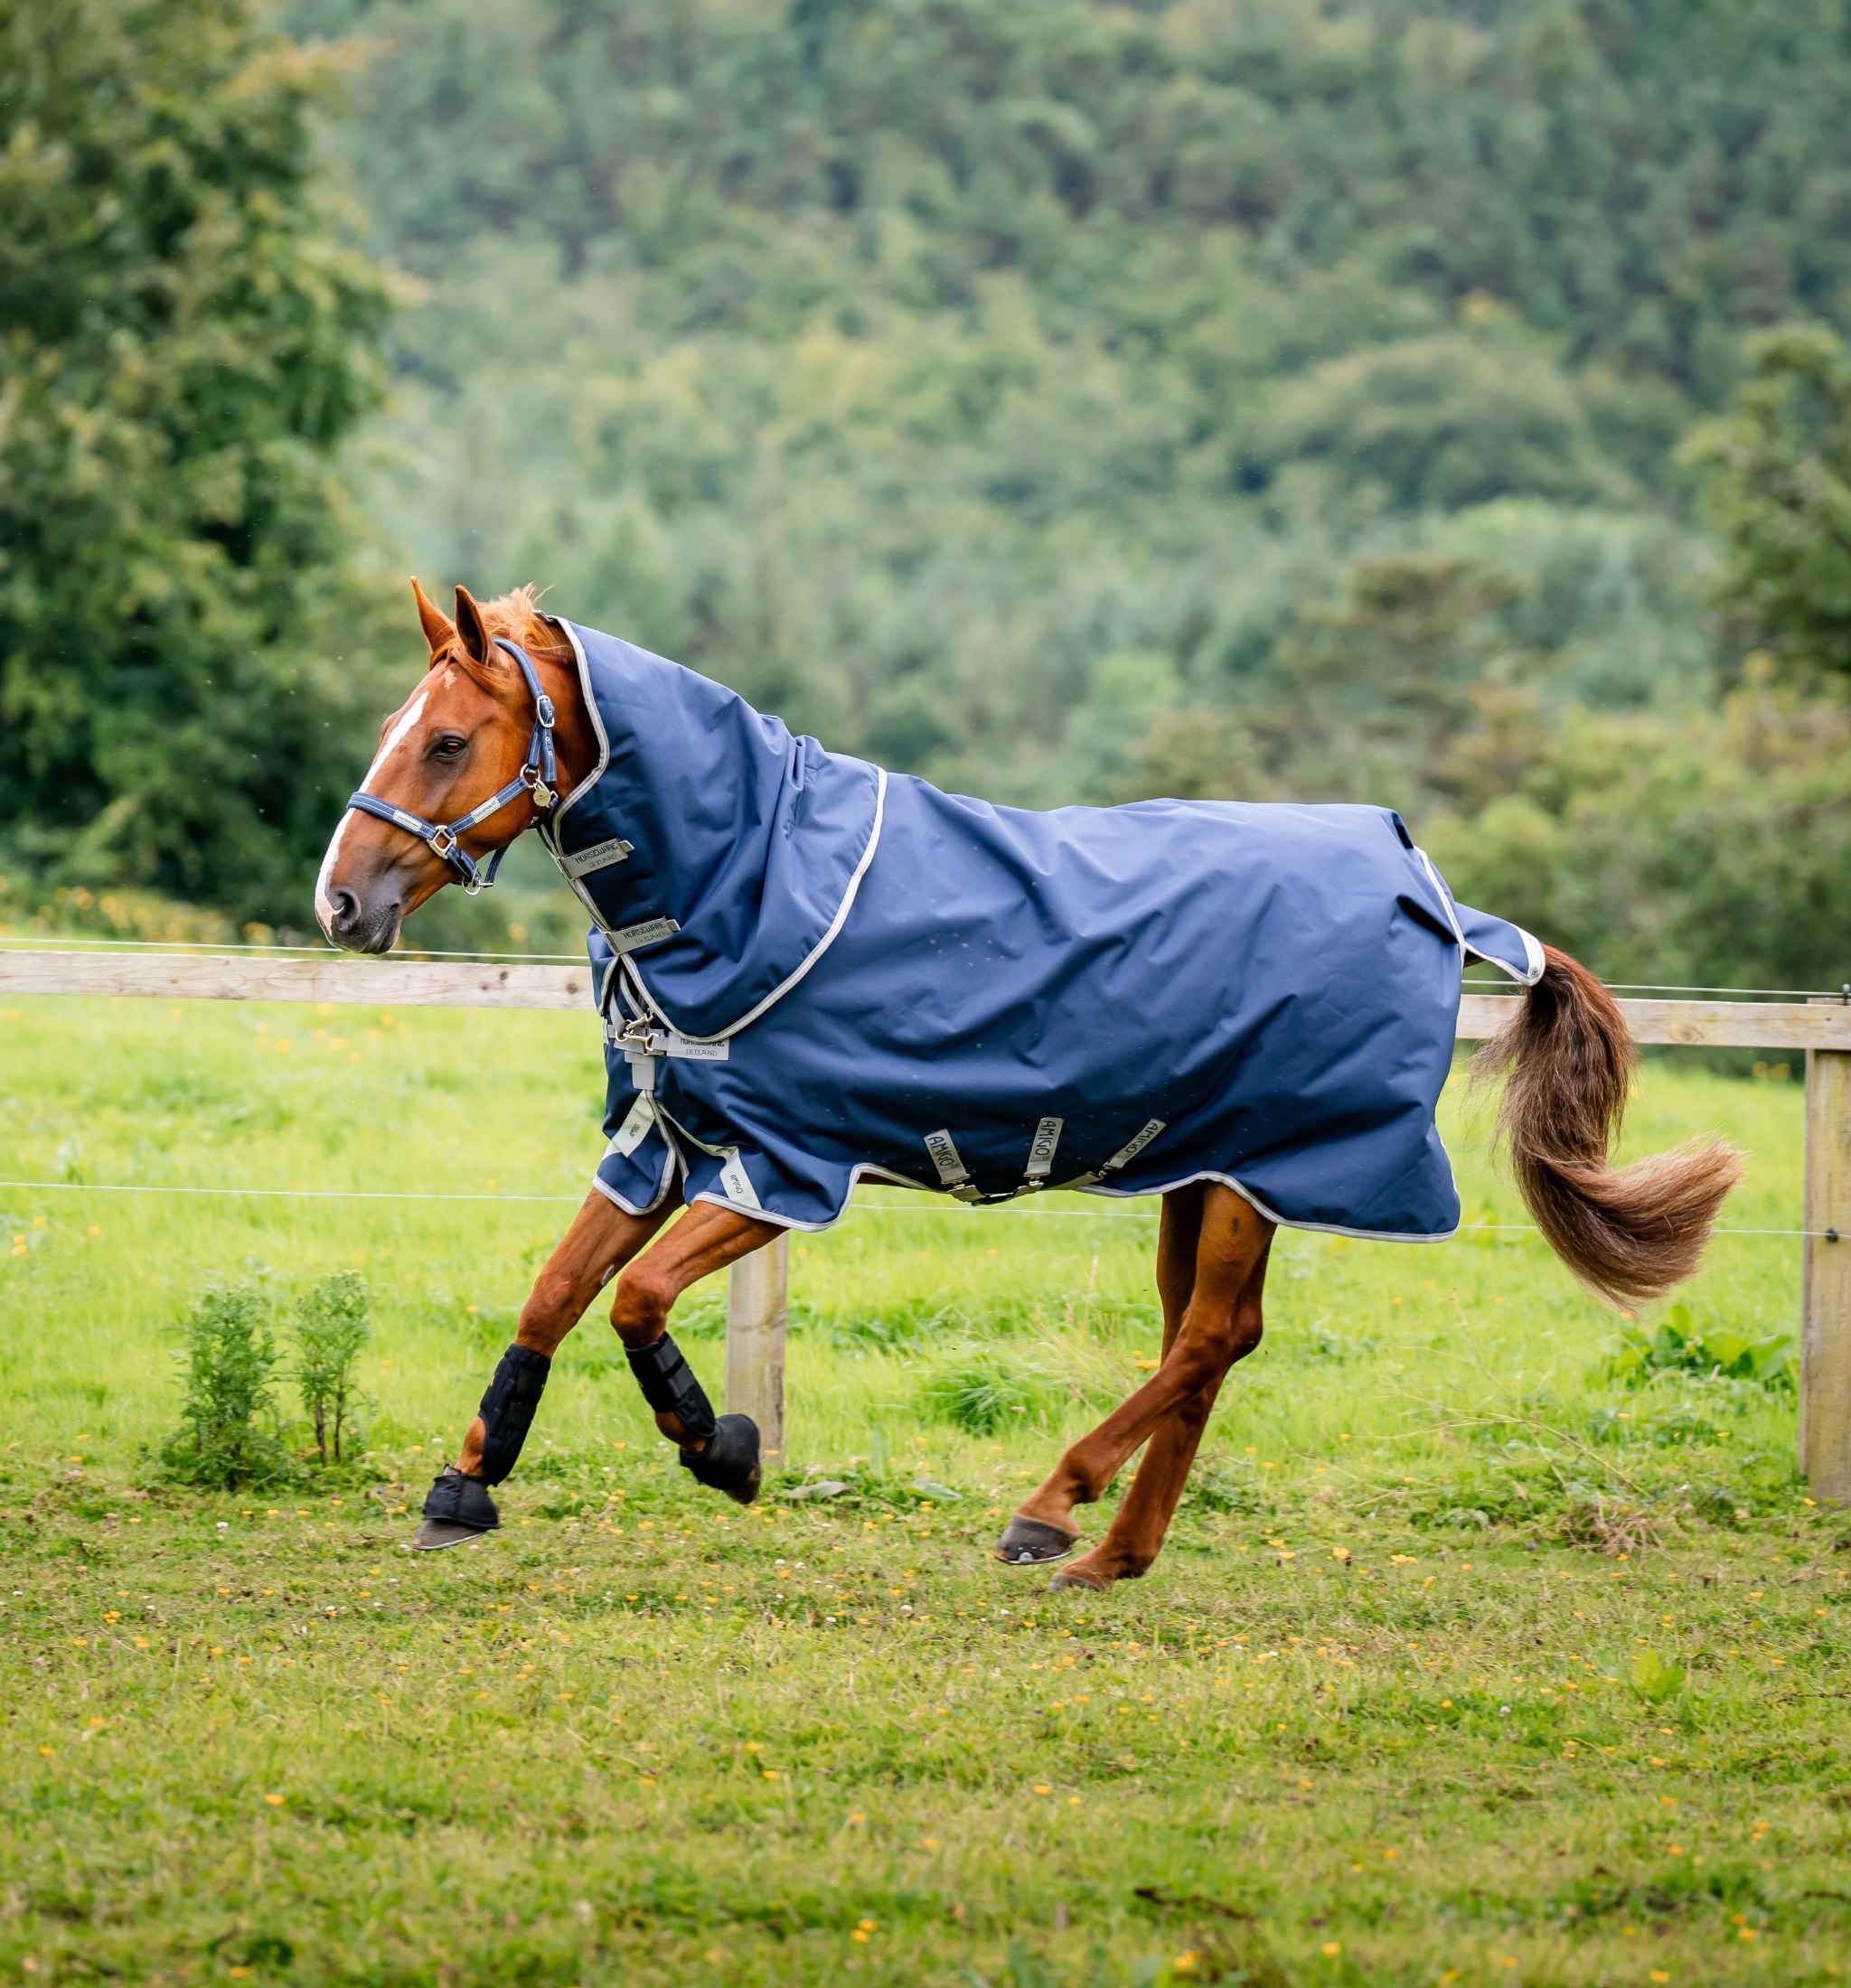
[438, 629]
[478, 645]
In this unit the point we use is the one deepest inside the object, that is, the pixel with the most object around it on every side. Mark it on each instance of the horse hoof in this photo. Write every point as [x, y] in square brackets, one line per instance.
[434, 1534]
[457, 1507]
[730, 1463]
[1028, 1543]
[1073, 1579]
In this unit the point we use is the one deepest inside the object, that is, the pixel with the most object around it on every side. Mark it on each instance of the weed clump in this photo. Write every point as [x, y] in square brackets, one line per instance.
[230, 1429]
[330, 1328]
[981, 1393]
[1680, 1345]
[228, 1434]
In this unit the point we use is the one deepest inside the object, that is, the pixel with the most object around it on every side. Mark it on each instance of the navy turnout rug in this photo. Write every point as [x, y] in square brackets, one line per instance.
[812, 972]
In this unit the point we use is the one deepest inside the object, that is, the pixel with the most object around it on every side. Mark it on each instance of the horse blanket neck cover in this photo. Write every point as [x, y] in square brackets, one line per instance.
[812, 971]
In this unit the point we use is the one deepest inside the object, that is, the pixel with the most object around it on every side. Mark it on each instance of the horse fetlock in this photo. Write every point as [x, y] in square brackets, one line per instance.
[729, 1459]
[508, 1408]
[669, 1387]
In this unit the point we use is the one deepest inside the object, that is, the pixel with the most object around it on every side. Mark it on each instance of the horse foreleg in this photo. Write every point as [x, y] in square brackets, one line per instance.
[1137, 1530]
[602, 1239]
[722, 1451]
[1228, 1240]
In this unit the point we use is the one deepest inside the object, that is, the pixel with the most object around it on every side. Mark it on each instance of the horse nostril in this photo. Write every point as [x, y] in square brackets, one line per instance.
[345, 907]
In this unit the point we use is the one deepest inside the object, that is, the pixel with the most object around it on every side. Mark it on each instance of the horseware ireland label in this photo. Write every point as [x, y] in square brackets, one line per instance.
[633, 937]
[684, 1051]
[599, 856]
[945, 1157]
[666, 1043]
[1041, 1151]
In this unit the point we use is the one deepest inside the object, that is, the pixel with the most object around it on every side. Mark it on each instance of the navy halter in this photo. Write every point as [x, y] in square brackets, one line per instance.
[539, 778]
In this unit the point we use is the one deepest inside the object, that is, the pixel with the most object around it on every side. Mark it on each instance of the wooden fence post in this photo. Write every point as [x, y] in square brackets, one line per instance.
[1825, 1302]
[757, 1287]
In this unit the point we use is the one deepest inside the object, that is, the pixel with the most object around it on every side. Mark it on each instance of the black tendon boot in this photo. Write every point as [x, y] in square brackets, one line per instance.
[459, 1506]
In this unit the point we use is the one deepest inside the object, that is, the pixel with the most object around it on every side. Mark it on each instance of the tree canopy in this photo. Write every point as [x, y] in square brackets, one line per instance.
[1065, 400]
[185, 341]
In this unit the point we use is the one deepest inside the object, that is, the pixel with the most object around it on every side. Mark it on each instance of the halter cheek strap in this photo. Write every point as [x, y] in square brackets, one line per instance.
[539, 778]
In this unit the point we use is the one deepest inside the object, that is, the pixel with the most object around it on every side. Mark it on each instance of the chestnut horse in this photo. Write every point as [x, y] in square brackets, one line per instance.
[499, 728]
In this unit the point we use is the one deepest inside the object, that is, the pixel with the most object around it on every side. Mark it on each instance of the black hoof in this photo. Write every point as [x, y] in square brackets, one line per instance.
[730, 1463]
[1026, 1542]
[434, 1534]
[457, 1505]
[1077, 1582]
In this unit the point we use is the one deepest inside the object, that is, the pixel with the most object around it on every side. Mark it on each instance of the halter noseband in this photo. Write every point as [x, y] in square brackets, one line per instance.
[537, 778]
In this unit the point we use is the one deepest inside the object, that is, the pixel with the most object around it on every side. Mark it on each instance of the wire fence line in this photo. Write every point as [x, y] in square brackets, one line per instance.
[856, 1207]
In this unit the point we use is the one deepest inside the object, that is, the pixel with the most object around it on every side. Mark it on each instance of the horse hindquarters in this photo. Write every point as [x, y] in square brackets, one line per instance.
[1628, 1233]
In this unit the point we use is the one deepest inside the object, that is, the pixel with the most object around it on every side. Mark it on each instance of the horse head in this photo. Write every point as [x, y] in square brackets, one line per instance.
[469, 731]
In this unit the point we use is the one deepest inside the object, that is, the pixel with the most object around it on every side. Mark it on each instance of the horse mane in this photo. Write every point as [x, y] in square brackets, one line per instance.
[517, 616]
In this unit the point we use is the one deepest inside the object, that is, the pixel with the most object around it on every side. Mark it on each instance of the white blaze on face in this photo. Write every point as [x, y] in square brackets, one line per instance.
[324, 910]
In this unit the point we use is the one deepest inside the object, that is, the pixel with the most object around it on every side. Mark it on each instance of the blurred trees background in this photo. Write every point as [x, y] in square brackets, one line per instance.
[183, 342]
[1440, 402]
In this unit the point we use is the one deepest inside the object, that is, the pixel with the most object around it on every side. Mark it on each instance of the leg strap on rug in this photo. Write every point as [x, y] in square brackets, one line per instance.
[670, 1388]
[508, 1410]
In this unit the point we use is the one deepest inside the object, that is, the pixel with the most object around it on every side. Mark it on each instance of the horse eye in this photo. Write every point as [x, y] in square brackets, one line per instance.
[450, 746]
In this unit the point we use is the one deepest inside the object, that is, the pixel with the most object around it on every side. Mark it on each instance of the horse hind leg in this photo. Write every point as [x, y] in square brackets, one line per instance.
[1137, 1531]
[1211, 1245]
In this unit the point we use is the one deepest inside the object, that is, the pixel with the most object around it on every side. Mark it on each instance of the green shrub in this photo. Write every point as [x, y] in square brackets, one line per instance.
[230, 1353]
[330, 1328]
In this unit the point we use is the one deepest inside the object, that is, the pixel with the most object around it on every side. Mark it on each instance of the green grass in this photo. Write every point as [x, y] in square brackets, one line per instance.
[1560, 1715]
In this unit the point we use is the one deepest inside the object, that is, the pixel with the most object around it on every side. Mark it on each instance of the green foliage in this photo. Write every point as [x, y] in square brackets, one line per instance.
[1008, 392]
[330, 1328]
[183, 343]
[227, 1435]
[1705, 848]
[982, 1390]
[1221, 1483]
[1778, 477]
[1677, 1345]
[1441, 423]
[1655, 1680]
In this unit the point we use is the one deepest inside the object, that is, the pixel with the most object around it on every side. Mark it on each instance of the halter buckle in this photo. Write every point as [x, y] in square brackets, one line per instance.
[443, 842]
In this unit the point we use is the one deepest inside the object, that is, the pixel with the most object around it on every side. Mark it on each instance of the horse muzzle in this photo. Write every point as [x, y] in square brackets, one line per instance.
[360, 924]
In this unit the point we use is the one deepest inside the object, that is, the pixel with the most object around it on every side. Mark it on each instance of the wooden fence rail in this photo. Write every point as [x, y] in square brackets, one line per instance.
[757, 1285]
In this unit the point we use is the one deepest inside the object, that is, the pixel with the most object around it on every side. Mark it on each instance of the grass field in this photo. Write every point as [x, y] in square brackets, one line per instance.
[1466, 1662]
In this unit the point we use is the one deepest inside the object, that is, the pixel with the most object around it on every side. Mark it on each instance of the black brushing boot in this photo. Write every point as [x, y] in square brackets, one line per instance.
[729, 1462]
